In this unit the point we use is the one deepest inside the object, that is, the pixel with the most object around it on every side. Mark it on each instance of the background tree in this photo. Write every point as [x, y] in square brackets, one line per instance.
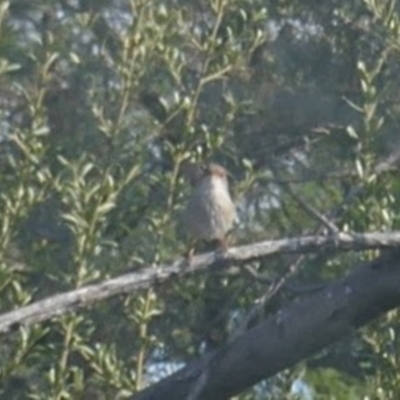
[102, 103]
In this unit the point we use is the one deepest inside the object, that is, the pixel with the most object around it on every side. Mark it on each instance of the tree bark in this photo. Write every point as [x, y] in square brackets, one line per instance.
[295, 332]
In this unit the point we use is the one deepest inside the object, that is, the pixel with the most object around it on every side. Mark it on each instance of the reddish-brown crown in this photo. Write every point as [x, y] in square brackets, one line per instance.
[216, 170]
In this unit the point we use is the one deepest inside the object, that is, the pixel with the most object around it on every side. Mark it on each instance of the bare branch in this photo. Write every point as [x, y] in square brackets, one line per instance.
[70, 301]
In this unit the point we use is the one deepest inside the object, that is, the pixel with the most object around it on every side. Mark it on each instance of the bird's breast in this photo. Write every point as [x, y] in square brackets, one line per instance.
[211, 212]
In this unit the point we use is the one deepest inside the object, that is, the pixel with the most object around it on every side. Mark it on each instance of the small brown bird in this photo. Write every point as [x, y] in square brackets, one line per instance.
[210, 213]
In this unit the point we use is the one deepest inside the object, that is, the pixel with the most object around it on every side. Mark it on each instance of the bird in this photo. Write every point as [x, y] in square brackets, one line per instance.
[210, 213]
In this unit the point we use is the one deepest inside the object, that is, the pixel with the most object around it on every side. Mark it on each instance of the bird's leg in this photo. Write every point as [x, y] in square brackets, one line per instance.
[190, 249]
[222, 245]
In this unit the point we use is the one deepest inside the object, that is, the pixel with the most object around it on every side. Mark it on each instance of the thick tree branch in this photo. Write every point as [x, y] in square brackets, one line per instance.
[295, 332]
[70, 301]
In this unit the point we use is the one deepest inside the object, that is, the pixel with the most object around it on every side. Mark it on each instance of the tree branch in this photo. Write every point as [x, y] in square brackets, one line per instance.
[70, 301]
[297, 331]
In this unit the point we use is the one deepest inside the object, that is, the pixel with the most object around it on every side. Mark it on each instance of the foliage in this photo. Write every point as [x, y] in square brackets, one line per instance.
[101, 104]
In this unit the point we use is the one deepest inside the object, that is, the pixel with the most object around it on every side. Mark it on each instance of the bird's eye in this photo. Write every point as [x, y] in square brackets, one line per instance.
[204, 169]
